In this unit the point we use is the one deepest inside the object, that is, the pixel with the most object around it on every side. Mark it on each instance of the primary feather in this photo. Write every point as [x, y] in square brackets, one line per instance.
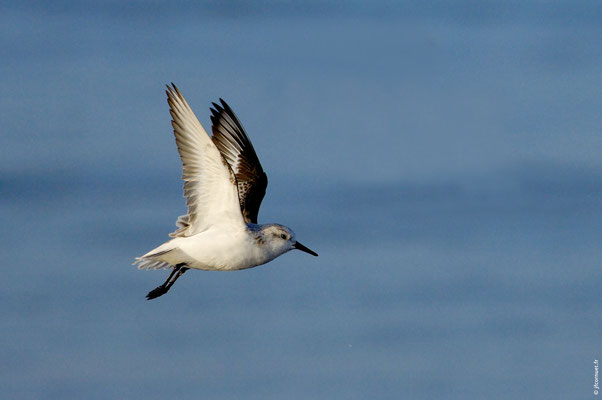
[209, 184]
[233, 143]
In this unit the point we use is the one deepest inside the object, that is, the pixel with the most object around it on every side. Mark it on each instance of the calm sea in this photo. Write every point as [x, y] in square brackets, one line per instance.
[443, 160]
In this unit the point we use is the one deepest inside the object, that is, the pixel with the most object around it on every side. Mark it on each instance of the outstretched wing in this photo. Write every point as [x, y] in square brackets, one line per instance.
[233, 143]
[209, 184]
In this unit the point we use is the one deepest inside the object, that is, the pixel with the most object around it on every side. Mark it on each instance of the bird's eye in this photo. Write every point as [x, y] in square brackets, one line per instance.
[283, 236]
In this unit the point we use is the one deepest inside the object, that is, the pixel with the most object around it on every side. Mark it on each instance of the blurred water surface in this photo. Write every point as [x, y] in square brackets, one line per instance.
[444, 160]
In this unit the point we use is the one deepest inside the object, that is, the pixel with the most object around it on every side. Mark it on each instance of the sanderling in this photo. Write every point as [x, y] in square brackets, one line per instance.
[224, 184]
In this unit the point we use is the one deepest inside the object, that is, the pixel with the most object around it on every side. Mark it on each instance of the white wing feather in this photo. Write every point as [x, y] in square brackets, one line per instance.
[209, 184]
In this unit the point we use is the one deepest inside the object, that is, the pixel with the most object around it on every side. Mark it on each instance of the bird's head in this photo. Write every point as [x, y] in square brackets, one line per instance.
[279, 239]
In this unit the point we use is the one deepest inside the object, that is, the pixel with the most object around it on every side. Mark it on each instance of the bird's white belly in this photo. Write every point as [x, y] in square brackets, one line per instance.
[216, 251]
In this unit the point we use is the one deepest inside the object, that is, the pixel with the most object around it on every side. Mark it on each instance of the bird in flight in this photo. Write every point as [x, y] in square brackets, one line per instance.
[224, 185]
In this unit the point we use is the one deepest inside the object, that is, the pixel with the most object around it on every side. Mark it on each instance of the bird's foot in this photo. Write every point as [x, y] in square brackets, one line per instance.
[157, 292]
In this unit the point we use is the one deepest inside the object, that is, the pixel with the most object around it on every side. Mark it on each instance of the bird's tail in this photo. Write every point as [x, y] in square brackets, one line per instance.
[151, 261]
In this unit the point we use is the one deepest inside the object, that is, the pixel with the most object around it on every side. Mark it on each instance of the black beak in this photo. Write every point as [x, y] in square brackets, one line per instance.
[299, 246]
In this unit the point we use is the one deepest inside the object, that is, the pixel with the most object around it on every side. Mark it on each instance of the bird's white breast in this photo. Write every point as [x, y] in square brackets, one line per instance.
[217, 249]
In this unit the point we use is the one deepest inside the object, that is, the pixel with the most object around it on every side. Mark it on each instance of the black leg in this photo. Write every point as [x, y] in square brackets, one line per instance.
[173, 272]
[179, 274]
[161, 290]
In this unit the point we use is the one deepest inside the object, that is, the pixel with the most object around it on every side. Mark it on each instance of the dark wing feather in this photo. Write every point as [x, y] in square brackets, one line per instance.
[233, 143]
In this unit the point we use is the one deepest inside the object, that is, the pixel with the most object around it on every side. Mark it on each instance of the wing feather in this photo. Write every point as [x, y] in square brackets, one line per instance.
[210, 187]
[233, 143]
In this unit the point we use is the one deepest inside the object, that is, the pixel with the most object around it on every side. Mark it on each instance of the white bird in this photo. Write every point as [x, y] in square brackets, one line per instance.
[224, 184]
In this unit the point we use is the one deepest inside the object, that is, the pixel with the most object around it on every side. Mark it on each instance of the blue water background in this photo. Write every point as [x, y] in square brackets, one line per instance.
[443, 158]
